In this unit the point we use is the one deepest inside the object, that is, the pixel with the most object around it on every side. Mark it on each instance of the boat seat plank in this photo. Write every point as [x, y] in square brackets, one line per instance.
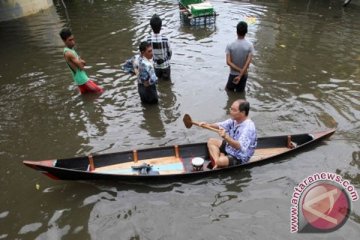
[164, 165]
[262, 153]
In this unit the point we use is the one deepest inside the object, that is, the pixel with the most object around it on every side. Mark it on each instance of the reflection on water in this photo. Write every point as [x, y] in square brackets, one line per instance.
[169, 103]
[135, 212]
[91, 115]
[197, 34]
[352, 173]
[304, 77]
[232, 96]
[152, 121]
[234, 188]
[165, 112]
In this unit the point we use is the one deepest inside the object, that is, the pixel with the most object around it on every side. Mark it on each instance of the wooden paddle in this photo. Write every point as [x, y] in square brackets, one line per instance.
[189, 122]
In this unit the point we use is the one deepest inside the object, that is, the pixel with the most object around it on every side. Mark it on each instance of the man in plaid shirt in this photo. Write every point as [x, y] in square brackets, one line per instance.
[161, 49]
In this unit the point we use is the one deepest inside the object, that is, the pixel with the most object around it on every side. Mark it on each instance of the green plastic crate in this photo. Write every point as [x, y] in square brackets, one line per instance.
[202, 9]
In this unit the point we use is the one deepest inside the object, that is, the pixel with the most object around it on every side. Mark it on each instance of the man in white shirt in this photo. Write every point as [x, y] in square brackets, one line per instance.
[238, 134]
[147, 78]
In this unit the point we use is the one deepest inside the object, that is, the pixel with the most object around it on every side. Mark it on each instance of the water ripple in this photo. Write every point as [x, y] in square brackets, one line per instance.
[304, 77]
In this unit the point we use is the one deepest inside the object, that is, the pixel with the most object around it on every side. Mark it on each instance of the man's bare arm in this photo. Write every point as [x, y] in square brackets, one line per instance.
[74, 62]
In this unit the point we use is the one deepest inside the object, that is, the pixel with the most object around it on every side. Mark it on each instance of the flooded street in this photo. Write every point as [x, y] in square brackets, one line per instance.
[304, 77]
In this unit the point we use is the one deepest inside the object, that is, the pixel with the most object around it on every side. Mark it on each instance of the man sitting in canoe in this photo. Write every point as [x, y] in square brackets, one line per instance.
[239, 137]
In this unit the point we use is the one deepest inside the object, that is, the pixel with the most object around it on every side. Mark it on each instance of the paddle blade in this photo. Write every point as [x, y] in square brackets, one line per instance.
[187, 121]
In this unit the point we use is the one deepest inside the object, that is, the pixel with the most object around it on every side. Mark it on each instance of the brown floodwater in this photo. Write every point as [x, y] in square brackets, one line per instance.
[304, 77]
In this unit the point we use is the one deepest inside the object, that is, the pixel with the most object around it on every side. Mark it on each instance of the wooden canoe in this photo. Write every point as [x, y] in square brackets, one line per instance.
[169, 162]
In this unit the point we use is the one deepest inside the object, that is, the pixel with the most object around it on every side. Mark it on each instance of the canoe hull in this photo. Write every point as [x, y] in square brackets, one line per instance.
[167, 163]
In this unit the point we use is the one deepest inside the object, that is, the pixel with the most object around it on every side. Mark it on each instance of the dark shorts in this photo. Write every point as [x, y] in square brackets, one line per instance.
[90, 87]
[163, 73]
[232, 160]
[148, 94]
[240, 87]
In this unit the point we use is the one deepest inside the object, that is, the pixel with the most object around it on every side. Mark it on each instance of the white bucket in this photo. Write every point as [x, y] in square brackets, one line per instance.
[197, 163]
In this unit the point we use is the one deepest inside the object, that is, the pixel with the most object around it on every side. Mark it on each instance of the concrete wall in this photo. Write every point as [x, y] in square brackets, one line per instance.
[12, 9]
